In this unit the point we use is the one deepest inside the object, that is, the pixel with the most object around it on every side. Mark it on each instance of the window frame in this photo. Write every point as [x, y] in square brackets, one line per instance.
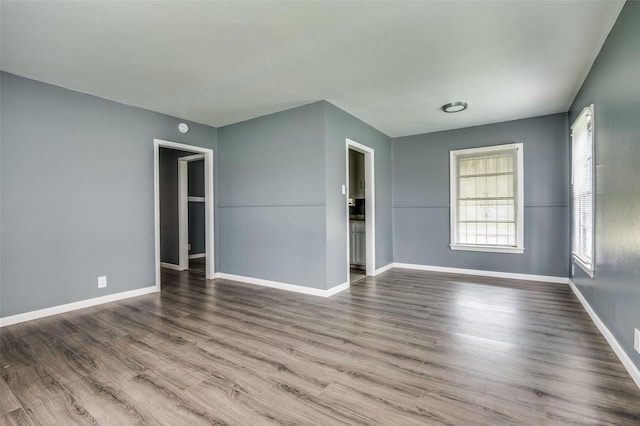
[576, 258]
[518, 248]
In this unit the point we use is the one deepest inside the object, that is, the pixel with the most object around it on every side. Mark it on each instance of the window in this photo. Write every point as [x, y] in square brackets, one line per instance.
[582, 190]
[487, 199]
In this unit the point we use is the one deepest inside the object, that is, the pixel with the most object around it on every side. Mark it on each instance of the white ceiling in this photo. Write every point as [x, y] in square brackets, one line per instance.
[392, 64]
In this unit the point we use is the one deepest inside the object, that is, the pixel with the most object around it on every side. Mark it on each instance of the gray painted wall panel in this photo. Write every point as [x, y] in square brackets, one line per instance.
[287, 164]
[424, 233]
[277, 159]
[613, 86]
[271, 200]
[77, 193]
[195, 176]
[421, 196]
[339, 126]
[336, 207]
[278, 243]
[196, 227]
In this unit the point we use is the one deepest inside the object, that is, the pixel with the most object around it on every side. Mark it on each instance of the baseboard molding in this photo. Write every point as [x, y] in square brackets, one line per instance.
[171, 266]
[634, 372]
[337, 289]
[60, 309]
[283, 286]
[483, 273]
[197, 255]
[383, 269]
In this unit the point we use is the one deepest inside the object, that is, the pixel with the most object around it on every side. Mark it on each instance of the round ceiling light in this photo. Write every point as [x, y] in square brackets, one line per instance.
[454, 107]
[183, 128]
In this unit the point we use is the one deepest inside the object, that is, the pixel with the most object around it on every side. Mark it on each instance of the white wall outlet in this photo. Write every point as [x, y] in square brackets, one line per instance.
[344, 189]
[636, 340]
[573, 270]
[102, 282]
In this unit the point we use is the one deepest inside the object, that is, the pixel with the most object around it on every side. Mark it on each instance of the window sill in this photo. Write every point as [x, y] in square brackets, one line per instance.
[586, 268]
[491, 249]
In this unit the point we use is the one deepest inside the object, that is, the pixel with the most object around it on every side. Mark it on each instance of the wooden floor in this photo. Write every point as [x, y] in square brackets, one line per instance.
[404, 348]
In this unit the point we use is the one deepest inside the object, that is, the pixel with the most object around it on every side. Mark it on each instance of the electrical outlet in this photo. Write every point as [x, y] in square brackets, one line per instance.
[573, 270]
[636, 340]
[102, 282]
[189, 247]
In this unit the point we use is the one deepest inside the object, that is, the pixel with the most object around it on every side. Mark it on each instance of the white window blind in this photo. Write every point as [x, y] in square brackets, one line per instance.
[582, 189]
[486, 198]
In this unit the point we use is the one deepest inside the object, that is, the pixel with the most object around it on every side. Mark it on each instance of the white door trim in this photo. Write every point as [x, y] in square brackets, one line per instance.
[208, 190]
[369, 204]
[183, 208]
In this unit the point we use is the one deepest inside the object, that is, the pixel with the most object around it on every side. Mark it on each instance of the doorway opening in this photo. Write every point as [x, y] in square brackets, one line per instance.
[360, 211]
[172, 240]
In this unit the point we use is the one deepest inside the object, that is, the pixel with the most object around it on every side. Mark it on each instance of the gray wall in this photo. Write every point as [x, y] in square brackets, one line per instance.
[613, 86]
[77, 193]
[195, 177]
[282, 214]
[421, 197]
[196, 231]
[271, 197]
[339, 126]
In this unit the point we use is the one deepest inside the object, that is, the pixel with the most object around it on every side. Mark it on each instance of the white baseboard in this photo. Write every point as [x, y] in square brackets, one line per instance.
[483, 273]
[382, 269]
[283, 286]
[171, 266]
[41, 313]
[604, 330]
[337, 289]
[197, 255]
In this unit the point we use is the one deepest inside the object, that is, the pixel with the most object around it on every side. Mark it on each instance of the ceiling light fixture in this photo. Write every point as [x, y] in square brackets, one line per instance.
[183, 128]
[454, 107]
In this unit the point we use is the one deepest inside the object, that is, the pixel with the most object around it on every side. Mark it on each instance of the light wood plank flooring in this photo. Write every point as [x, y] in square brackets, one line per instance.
[403, 348]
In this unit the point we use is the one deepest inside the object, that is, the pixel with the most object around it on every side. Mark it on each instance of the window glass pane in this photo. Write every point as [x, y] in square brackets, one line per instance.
[462, 232]
[467, 188]
[492, 186]
[471, 233]
[511, 233]
[472, 211]
[491, 211]
[466, 167]
[503, 233]
[504, 211]
[481, 187]
[505, 164]
[502, 186]
[481, 233]
[491, 165]
[480, 169]
[492, 233]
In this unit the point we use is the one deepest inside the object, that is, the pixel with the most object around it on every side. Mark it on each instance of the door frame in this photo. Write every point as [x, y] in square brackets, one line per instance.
[209, 224]
[183, 208]
[369, 205]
